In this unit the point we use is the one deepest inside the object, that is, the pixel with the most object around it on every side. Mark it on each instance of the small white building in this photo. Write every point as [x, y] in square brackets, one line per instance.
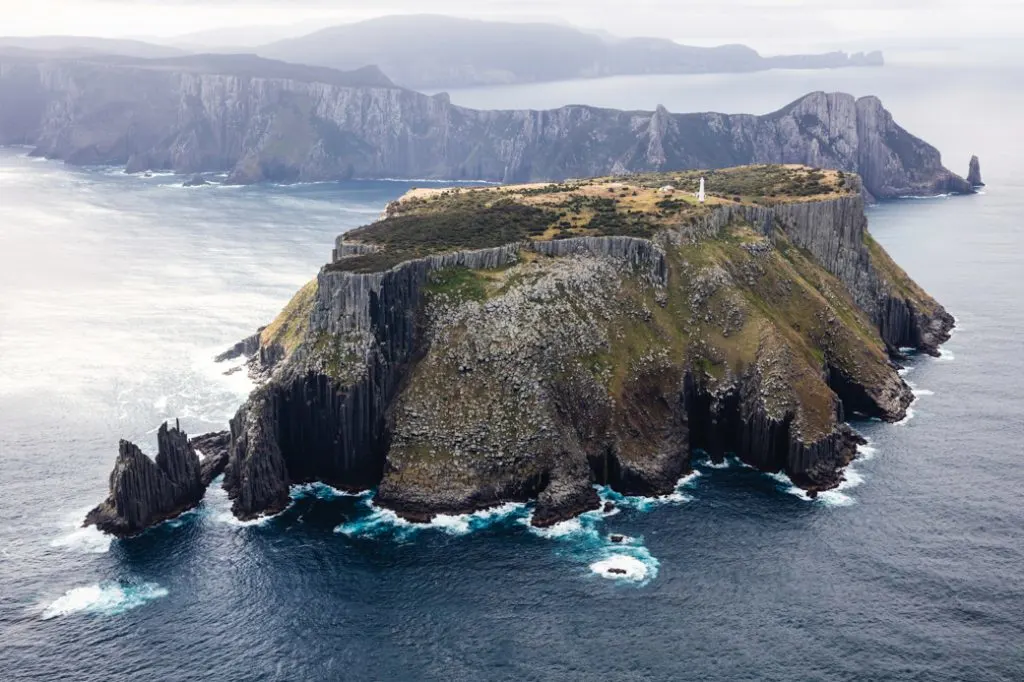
[667, 189]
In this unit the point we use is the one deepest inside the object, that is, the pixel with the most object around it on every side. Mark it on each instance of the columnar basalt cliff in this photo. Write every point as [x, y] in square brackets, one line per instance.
[145, 492]
[525, 343]
[273, 121]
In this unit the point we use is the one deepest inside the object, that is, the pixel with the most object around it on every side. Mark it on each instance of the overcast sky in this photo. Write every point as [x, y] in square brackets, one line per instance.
[769, 25]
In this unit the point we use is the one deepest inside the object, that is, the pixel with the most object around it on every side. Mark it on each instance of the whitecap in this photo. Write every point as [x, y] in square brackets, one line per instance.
[621, 567]
[918, 392]
[724, 464]
[831, 498]
[76, 538]
[644, 503]
[88, 540]
[160, 404]
[906, 419]
[946, 355]
[629, 563]
[380, 521]
[866, 452]
[321, 491]
[106, 599]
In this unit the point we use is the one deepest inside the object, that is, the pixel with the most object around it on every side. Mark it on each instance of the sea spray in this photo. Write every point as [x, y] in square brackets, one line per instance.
[108, 598]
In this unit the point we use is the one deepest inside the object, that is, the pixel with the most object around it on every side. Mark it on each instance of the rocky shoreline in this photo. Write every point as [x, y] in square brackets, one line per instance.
[536, 370]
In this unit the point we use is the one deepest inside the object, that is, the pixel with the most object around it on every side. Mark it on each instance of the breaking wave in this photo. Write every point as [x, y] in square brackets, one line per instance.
[380, 522]
[105, 599]
[88, 540]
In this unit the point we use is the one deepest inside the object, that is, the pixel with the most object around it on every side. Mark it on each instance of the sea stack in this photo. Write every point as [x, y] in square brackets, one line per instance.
[974, 173]
[144, 492]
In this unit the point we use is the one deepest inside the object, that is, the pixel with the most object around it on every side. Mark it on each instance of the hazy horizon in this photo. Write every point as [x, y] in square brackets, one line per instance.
[770, 26]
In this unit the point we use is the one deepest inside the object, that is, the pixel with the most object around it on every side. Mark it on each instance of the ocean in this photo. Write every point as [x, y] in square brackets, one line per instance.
[116, 292]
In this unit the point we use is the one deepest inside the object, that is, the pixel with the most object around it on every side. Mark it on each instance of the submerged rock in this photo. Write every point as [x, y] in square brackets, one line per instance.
[974, 173]
[145, 492]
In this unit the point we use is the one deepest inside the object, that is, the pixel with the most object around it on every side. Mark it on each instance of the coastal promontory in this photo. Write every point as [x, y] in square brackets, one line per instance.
[526, 342]
[260, 120]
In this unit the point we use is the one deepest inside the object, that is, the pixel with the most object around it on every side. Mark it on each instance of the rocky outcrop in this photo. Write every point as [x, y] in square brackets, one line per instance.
[247, 347]
[296, 128]
[547, 367]
[197, 180]
[974, 173]
[145, 492]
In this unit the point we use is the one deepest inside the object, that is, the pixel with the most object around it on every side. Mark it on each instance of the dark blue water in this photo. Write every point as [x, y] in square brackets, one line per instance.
[116, 291]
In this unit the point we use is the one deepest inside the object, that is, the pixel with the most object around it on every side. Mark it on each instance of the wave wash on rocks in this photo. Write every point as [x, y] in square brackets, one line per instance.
[536, 369]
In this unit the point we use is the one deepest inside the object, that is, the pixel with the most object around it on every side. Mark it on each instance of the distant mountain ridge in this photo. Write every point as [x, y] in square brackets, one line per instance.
[81, 46]
[435, 52]
[261, 120]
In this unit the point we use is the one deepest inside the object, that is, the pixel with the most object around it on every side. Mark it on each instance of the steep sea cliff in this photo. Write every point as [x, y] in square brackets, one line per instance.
[535, 369]
[275, 122]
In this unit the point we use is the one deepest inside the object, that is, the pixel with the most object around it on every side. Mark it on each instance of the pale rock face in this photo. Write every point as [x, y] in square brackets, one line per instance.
[285, 130]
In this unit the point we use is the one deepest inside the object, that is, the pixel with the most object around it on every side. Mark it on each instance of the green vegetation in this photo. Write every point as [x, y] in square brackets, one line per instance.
[458, 284]
[290, 326]
[416, 235]
[434, 221]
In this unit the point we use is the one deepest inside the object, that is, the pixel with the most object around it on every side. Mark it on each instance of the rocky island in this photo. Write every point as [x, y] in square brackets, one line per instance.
[524, 343]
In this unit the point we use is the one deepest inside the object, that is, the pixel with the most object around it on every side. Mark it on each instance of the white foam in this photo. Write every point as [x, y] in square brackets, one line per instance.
[866, 452]
[946, 355]
[907, 418]
[85, 540]
[108, 599]
[724, 464]
[918, 392]
[621, 567]
[381, 521]
[321, 491]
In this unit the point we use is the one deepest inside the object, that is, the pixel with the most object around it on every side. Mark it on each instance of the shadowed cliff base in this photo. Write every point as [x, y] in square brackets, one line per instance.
[259, 120]
[469, 371]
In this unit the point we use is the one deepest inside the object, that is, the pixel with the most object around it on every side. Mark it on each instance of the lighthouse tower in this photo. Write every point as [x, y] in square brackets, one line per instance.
[700, 194]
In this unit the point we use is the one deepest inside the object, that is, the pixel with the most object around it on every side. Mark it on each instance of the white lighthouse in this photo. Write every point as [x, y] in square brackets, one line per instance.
[700, 194]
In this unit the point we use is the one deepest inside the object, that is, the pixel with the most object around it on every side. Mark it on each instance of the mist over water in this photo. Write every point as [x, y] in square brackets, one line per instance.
[116, 291]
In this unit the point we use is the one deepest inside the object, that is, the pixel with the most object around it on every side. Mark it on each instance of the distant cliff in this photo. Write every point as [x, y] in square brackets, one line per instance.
[446, 52]
[524, 343]
[260, 120]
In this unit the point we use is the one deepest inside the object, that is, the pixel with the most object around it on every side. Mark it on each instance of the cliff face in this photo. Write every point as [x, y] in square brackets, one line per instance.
[287, 129]
[144, 492]
[534, 369]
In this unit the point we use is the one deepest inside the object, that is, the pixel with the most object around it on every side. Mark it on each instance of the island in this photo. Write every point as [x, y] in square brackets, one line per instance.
[528, 342]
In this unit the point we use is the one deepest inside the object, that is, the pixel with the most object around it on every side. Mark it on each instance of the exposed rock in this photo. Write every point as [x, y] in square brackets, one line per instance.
[197, 180]
[247, 347]
[749, 330]
[974, 173]
[288, 129]
[144, 492]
